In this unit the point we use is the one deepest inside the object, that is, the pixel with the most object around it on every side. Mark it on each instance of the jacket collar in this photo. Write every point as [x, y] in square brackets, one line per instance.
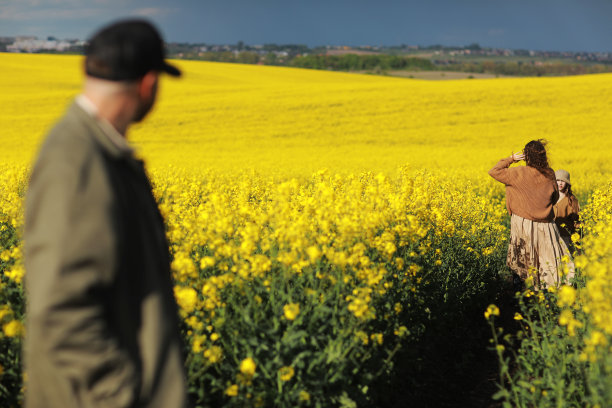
[115, 150]
[101, 132]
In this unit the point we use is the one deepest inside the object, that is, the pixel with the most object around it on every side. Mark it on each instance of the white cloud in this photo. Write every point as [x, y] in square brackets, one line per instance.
[25, 10]
[16, 14]
[153, 11]
[25, 4]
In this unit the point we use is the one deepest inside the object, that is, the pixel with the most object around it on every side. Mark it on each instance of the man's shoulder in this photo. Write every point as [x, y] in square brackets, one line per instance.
[72, 128]
[70, 140]
[69, 158]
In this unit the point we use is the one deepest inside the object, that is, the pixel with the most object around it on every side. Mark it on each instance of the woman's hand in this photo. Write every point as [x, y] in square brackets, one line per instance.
[518, 156]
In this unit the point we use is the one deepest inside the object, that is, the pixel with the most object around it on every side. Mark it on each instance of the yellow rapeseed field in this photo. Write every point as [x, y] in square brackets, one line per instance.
[293, 122]
[314, 216]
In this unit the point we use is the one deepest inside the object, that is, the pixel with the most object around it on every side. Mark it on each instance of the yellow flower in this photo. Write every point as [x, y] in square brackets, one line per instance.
[291, 311]
[197, 343]
[186, 298]
[207, 262]
[214, 354]
[5, 255]
[5, 311]
[248, 366]
[363, 336]
[401, 331]
[377, 337]
[567, 296]
[314, 253]
[232, 390]
[304, 396]
[194, 323]
[518, 316]
[566, 318]
[286, 373]
[13, 328]
[16, 273]
[492, 310]
[597, 338]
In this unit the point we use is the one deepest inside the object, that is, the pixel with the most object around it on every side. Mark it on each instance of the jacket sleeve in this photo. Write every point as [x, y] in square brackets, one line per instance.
[500, 171]
[70, 253]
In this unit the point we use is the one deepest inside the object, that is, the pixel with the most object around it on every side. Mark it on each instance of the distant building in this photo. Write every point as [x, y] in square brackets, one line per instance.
[33, 44]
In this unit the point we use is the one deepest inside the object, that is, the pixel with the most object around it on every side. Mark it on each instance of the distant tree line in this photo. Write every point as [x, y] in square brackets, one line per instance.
[527, 68]
[353, 62]
[382, 63]
[347, 62]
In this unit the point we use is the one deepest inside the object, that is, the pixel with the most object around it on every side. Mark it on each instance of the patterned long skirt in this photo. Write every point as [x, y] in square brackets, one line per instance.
[537, 249]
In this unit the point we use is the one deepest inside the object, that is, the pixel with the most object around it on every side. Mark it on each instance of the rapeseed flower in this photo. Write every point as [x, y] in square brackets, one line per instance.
[291, 311]
[186, 297]
[248, 367]
[492, 310]
[14, 328]
[567, 296]
[232, 390]
[213, 354]
[286, 373]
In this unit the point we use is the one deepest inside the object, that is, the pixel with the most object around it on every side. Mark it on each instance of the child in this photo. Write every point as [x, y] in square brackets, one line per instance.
[566, 209]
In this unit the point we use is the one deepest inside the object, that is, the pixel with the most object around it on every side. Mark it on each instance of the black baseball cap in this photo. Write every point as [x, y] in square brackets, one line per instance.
[126, 50]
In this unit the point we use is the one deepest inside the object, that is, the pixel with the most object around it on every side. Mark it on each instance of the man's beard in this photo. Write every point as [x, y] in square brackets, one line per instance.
[144, 107]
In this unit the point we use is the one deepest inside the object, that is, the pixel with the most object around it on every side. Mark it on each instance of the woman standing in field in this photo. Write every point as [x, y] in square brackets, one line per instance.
[566, 209]
[536, 247]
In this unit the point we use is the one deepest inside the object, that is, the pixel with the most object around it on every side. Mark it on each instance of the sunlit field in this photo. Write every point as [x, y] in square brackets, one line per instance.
[335, 237]
[231, 117]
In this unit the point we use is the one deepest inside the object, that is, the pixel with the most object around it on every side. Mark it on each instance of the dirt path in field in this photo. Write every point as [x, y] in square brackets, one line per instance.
[453, 379]
[484, 385]
[486, 378]
[471, 388]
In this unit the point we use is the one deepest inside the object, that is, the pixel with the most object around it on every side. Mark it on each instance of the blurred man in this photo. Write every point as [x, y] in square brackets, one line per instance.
[102, 324]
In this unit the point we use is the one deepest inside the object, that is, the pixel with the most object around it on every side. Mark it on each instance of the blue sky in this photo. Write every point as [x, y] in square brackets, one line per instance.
[571, 25]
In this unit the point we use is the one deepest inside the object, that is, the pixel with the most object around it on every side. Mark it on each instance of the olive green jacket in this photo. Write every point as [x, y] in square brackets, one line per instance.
[101, 318]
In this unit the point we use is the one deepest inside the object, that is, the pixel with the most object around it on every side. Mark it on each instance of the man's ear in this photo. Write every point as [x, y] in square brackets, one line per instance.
[147, 87]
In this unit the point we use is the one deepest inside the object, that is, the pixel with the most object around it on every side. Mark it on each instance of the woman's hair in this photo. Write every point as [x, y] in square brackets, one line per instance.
[535, 156]
[569, 194]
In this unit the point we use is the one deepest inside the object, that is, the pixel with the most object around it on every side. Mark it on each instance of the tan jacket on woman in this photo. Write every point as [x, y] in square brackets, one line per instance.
[529, 193]
[101, 320]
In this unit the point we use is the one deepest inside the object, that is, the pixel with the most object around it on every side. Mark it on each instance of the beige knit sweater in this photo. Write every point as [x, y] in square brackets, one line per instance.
[529, 194]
